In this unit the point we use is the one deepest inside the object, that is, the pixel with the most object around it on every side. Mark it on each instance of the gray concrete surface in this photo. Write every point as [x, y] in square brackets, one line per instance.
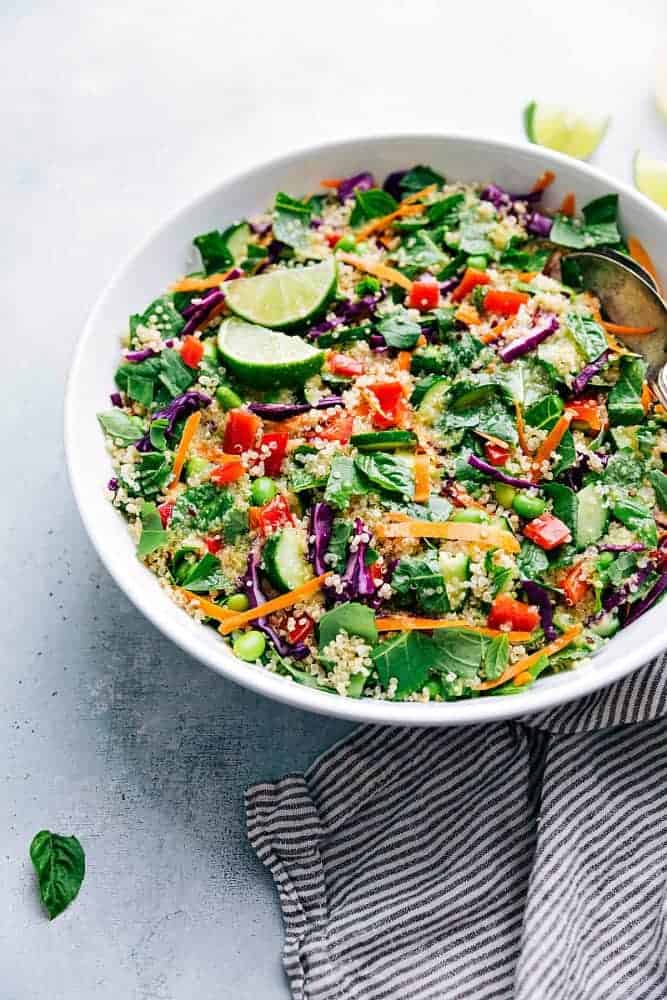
[112, 114]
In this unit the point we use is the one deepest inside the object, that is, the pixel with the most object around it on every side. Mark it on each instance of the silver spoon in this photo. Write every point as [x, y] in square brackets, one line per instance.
[629, 296]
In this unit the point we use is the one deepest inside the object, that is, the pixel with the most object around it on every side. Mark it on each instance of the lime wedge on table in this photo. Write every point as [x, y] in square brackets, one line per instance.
[563, 130]
[266, 358]
[651, 177]
[282, 297]
[661, 92]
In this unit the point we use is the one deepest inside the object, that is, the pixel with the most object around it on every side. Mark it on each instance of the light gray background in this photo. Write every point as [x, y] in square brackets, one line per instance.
[113, 114]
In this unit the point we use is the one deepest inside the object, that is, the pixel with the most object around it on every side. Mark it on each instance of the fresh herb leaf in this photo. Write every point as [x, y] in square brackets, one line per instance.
[121, 426]
[175, 375]
[446, 212]
[389, 473]
[436, 509]
[638, 519]
[153, 536]
[545, 413]
[161, 315]
[235, 524]
[622, 568]
[405, 657]
[419, 252]
[202, 508]
[351, 617]
[474, 239]
[204, 575]
[419, 582]
[138, 379]
[336, 555]
[60, 864]
[601, 210]
[659, 484]
[343, 483]
[566, 455]
[496, 657]
[588, 335]
[418, 178]
[564, 504]
[524, 260]
[567, 232]
[157, 433]
[214, 251]
[291, 221]
[399, 330]
[371, 204]
[527, 380]
[459, 652]
[153, 473]
[624, 403]
[532, 561]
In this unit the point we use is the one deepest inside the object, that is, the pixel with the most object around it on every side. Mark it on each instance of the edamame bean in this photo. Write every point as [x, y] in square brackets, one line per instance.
[249, 646]
[346, 243]
[605, 559]
[469, 515]
[237, 602]
[263, 491]
[528, 506]
[479, 263]
[227, 398]
[505, 495]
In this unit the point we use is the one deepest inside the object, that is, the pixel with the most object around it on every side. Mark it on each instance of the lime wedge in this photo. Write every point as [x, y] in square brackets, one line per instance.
[266, 358]
[284, 297]
[560, 129]
[651, 177]
[661, 92]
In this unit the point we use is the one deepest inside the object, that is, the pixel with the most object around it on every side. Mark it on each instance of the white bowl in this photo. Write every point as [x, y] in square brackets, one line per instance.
[164, 256]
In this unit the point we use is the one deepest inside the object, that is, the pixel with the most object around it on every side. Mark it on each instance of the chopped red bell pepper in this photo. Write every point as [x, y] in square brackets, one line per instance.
[276, 442]
[470, 280]
[575, 586]
[505, 610]
[547, 531]
[165, 510]
[271, 516]
[424, 295]
[192, 351]
[504, 303]
[213, 545]
[585, 412]
[377, 574]
[496, 454]
[343, 364]
[227, 473]
[338, 427]
[240, 431]
[334, 238]
[392, 406]
[303, 628]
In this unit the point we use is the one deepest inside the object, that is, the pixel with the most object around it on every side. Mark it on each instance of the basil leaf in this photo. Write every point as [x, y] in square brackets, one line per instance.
[601, 210]
[399, 331]
[564, 504]
[157, 433]
[336, 554]
[659, 484]
[459, 652]
[588, 335]
[161, 315]
[291, 221]
[153, 473]
[214, 251]
[406, 657]
[392, 474]
[567, 455]
[371, 204]
[60, 864]
[532, 561]
[202, 508]
[496, 657]
[204, 575]
[121, 426]
[153, 536]
[343, 483]
[420, 252]
[624, 403]
[351, 617]
[418, 178]
[446, 212]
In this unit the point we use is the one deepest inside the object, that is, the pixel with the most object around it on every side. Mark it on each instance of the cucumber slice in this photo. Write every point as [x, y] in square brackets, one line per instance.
[651, 177]
[196, 466]
[455, 569]
[281, 298]
[266, 358]
[430, 407]
[592, 516]
[237, 238]
[284, 560]
[607, 626]
[384, 440]
[469, 515]
[563, 130]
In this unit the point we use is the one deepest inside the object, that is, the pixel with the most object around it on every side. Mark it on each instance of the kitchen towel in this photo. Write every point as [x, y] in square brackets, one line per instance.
[522, 860]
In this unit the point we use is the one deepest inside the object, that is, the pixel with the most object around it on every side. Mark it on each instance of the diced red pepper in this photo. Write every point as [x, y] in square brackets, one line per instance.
[227, 473]
[276, 442]
[504, 303]
[343, 364]
[392, 407]
[575, 586]
[377, 575]
[192, 351]
[240, 431]
[505, 610]
[424, 295]
[470, 280]
[547, 531]
[165, 510]
[272, 515]
[496, 454]
[333, 238]
[213, 545]
[586, 412]
[338, 428]
[303, 628]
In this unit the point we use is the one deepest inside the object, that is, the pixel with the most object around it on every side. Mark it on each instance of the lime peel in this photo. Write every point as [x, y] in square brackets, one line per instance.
[650, 175]
[266, 358]
[563, 130]
[282, 298]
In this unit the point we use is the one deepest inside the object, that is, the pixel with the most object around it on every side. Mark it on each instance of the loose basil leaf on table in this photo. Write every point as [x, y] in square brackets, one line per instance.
[60, 864]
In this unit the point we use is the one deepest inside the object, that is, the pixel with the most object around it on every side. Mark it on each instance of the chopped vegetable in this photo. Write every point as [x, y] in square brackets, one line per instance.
[505, 610]
[522, 666]
[277, 604]
[484, 535]
[189, 431]
[548, 532]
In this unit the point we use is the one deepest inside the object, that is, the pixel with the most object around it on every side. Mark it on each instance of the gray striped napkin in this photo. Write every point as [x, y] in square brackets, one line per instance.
[517, 860]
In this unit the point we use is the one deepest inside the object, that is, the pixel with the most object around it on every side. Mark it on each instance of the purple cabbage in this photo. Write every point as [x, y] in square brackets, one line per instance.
[315, 223]
[589, 372]
[377, 341]
[180, 407]
[116, 399]
[253, 591]
[449, 285]
[539, 225]
[498, 197]
[642, 605]
[202, 311]
[260, 228]
[358, 182]
[357, 578]
[142, 355]
[347, 312]
[616, 597]
[283, 411]
[392, 184]
[539, 596]
[112, 484]
[196, 303]
[525, 344]
[319, 535]
[632, 547]
[324, 326]
[273, 252]
[500, 477]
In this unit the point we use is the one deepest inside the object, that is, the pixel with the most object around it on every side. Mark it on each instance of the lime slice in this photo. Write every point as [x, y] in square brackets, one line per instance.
[560, 129]
[266, 358]
[661, 92]
[282, 298]
[651, 177]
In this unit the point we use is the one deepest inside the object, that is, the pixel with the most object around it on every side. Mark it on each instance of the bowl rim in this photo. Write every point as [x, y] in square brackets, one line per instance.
[581, 682]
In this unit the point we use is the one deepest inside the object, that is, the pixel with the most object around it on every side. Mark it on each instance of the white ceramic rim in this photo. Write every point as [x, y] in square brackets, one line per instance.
[543, 695]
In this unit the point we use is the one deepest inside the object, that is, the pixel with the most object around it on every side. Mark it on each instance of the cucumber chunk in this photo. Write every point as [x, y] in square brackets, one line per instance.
[592, 516]
[455, 570]
[384, 440]
[430, 407]
[284, 560]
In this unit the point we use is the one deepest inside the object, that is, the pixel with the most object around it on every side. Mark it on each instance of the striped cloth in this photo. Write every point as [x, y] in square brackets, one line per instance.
[516, 860]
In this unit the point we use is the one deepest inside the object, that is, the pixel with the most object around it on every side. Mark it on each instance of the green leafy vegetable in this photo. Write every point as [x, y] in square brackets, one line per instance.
[399, 330]
[389, 473]
[343, 483]
[567, 455]
[446, 212]
[153, 536]
[202, 508]
[524, 260]
[371, 204]
[158, 432]
[589, 335]
[121, 426]
[419, 252]
[564, 504]
[418, 178]
[407, 657]
[202, 576]
[419, 582]
[161, 315]
[659, 484]
[351, 617]
[214, 251]
[532, 561]
[624, 403]
[234, 525]
[598, 228]
[291, 221]
[545, 413]
[60, 864]
[624, 468]
[474, 238]
[153, 473]
[145, 381]
[638, 519]
[496, 657]
[338, 542]
[459, 652]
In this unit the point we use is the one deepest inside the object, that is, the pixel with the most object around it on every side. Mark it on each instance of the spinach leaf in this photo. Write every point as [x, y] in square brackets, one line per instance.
[158, 433]
[161, 315]
[153, 536]
[202, 508]
[659, 484]
[447, 359]
[419, 252]
[153, 473]
[301, 480]
[214, 251]
[60, 864]
[564, 504]
[343, 483]
[527, 380]
[601, 210]
[371, 204]
[577, 235]
[624, 468]
[351, 617]
[389, 473]
[418, 178]
[436, 509]
[121, 426]
[624, 403]
[446, 212]
[524, 260]
[545, 413]
[532, 561]
[203, 576]
[623, 566]
[407, 657]
[399, 330]
[336, 555]
[567, 232]
[418, 580]
[291, 221]
[496, 657]
[138, 379]
[567, 455]
[638, 519]
[474, 239]
[175, 375]
[459, 652]
[588, 335]
[234, 525]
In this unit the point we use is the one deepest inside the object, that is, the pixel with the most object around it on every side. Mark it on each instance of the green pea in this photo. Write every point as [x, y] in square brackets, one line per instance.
[263, 491]
[346, 243]
[479, 263]
[249, 646]
[367, 286]
[227, 398]
[505, 494]
[469, 515]
[528, 506]
[434, 689]
[211, 350]
[237, 602]
[605, 559]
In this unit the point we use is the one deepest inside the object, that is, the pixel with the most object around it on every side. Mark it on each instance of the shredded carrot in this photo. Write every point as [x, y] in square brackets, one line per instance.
[523, 678]
[467, 314]
[404, 361]
[377, 225]
[568, 205]
[189, 431]
[490, 437]
[544, 181]
[210, 609]
[550, 443]
[420, 195]
[389, 242]
[660, 410]
[647, 397]
[614, 345]
[527, 662]
[422, 470]
[381, 271]
[331, 182]
[639, 253]
[277, 604]
[215, 311]
[485, 535]
[200, 284]
[215, 454]
[527, 275]
[497, 332]
[521, 429]
[421, 340]
[406, 623]
[628, 331]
